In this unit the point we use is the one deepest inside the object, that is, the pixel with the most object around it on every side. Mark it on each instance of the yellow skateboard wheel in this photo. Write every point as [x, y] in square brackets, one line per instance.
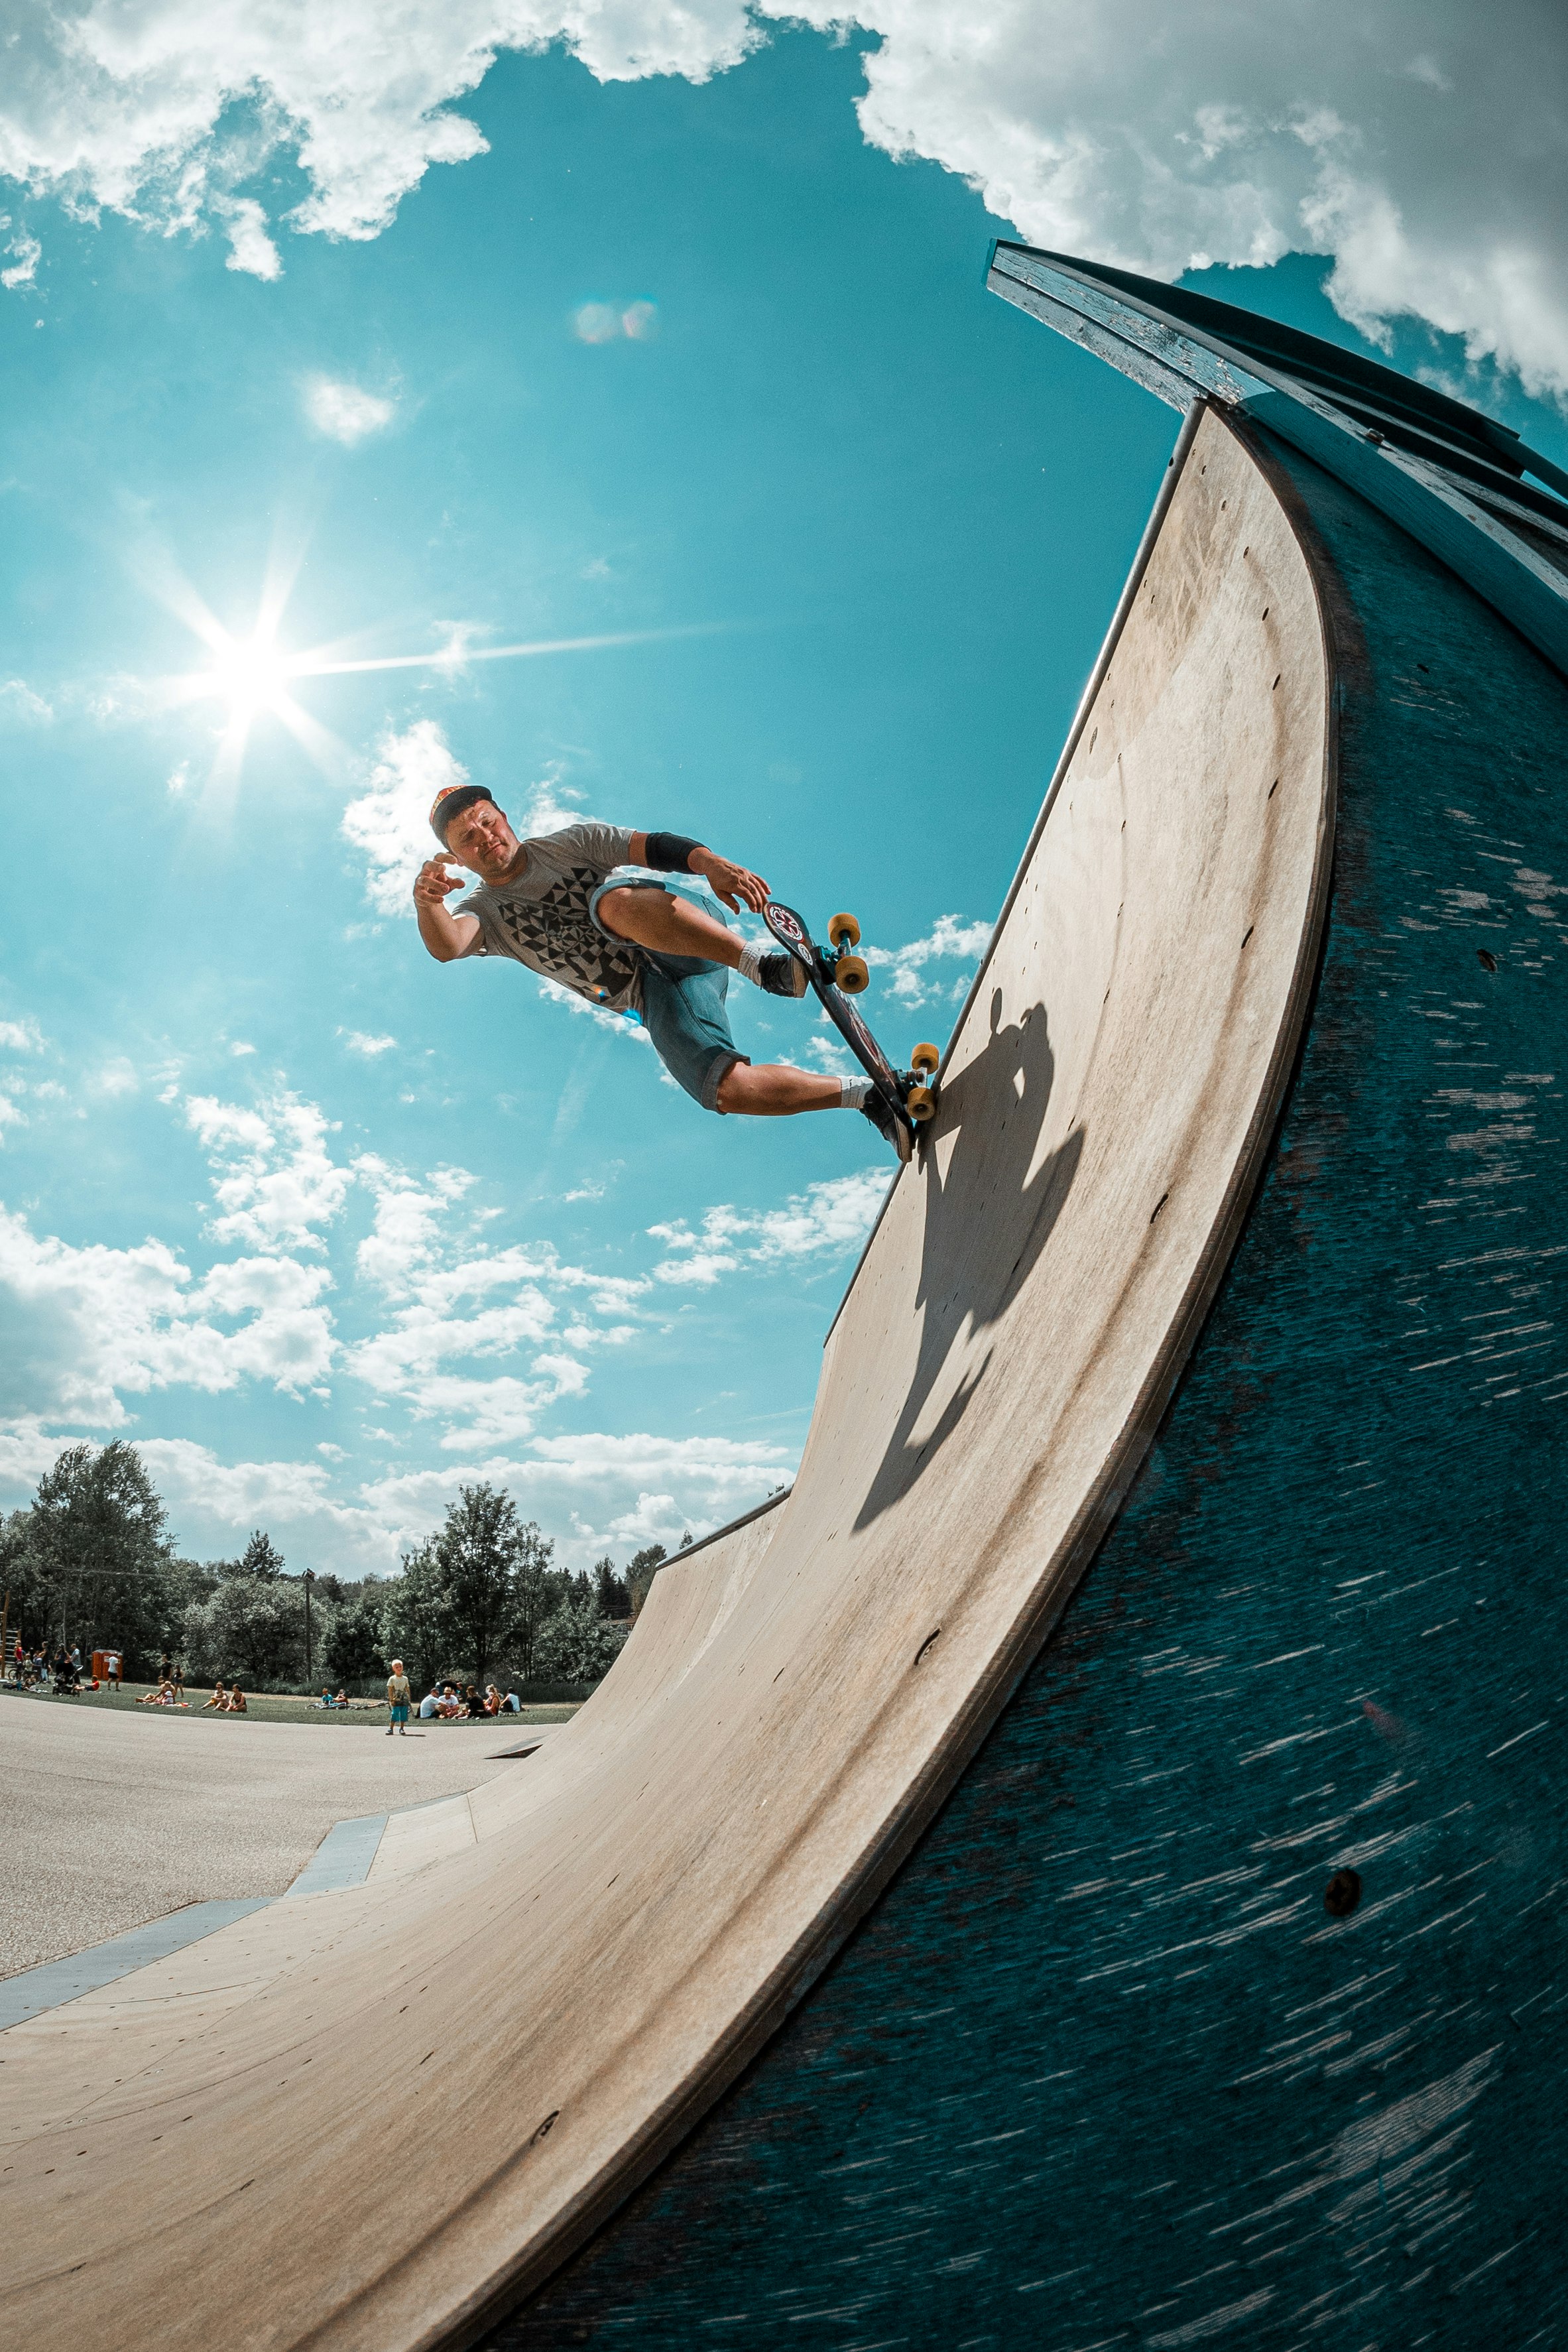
[925, 1059]
[920, 1102]
[844, 931]
[851, 975]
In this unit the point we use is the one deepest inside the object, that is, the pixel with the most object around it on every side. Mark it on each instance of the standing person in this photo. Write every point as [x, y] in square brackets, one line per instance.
[632, 945]
[398, 1697]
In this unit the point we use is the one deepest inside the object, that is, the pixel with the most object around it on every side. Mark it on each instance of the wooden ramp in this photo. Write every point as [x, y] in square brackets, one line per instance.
[368, 2119]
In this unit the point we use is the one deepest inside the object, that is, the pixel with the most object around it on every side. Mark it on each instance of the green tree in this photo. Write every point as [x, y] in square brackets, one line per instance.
[478, 1551]
[416, 1625]
[99, 1556]
[352, 1652]
[261, 1556]
[576, 1645]
[539, 1588]
[641, 1569]
[252, 1628]
[610, 1590]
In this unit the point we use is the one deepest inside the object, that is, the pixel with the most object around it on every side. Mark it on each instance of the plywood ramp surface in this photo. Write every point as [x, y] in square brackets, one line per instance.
[399, 2102]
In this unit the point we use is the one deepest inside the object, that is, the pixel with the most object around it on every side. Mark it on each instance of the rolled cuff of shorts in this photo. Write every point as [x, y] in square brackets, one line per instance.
[617, 882]
[718, 1069]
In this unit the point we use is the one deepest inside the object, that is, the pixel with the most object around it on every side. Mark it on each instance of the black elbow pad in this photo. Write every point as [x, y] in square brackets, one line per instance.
[668, 853]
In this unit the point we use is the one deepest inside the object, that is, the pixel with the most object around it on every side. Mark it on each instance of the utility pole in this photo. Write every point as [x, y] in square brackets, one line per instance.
[308, 1580]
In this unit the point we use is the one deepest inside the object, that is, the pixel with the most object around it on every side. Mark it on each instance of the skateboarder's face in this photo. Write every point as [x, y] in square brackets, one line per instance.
[480, 838]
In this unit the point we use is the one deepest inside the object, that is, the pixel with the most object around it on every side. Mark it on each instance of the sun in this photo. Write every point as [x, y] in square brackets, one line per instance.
[251, 675]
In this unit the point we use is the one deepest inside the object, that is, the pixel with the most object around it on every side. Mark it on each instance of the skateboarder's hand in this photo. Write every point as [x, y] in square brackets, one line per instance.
[730, 882]
[432, 882]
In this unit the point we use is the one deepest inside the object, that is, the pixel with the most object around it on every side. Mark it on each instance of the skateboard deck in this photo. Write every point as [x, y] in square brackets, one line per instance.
[789, 929]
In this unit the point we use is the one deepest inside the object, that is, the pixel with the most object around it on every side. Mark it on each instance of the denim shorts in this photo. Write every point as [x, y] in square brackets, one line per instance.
[683, 1008]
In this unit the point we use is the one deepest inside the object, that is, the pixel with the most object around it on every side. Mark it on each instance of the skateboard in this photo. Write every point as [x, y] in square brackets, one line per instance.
[837, 975]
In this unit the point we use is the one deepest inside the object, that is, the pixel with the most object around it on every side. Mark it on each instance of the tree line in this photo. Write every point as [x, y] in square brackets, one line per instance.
[90, 1561]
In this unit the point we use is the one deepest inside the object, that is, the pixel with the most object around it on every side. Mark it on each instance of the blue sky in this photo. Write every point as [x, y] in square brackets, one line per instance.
[324, 1227]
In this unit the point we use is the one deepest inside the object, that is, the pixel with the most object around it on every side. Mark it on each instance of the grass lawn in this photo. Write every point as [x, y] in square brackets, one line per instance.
[266, 1708]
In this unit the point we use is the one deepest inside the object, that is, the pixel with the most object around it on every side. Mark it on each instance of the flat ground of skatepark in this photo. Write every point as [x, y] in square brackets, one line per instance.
[116, 1818]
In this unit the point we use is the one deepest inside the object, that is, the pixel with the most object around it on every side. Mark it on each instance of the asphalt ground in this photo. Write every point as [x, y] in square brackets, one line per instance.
[113, 1817]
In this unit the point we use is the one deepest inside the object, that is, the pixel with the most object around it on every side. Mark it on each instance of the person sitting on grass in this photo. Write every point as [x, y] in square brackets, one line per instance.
[326, 1698]
[342, 1699]
[430, 1703]
[451, 1705]
[236, 1703]
[163, 1696]
[219, 1699]
[492, 1699]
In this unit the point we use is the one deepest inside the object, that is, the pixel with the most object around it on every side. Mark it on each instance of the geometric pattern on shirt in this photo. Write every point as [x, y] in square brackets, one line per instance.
[561, 938]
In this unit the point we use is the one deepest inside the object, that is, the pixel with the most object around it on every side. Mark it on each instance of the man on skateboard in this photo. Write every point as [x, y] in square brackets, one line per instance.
[631, 946]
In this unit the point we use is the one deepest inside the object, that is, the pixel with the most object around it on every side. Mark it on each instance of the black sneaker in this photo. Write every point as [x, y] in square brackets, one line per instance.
[888, 1126]
[781, 975]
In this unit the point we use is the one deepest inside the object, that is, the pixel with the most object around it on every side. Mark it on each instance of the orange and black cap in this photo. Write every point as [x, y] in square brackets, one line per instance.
[451, 802]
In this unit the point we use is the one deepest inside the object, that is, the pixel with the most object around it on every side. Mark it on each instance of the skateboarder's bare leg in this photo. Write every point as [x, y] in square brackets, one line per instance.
[775, 1090]
[669, 924]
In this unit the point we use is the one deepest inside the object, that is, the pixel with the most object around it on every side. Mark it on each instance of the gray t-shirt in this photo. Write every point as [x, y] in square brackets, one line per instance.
[542, 918]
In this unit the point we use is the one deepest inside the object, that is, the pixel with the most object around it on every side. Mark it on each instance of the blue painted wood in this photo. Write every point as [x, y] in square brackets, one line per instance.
[56, 1982]
[1100, 2068]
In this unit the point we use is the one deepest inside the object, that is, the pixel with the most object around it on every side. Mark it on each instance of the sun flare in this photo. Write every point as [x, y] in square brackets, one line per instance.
[251, 675]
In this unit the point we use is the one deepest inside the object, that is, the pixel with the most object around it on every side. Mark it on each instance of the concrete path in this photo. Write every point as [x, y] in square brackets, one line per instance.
[115, 1820]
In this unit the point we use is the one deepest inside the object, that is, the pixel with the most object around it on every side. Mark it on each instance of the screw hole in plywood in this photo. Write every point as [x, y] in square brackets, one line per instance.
[935, 1634]
[1343, 1892]
[1485, 957]
[1159, 1204]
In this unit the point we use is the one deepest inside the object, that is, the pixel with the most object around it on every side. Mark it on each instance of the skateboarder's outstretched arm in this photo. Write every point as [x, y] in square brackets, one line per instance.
[448, 936]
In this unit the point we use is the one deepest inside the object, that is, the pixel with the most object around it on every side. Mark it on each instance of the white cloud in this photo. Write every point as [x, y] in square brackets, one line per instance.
[162, 112]
[239, 1494]
[1408, 142]
[390, 822]
[358, 1042]
[20, 704]
[950, 938]
[84, 1324]
[275, 1181]
[24, 269]
[454, 1301]
[1404, 140]
[345, 412]
[22, 1036]
[827, 1219]
[251, 249]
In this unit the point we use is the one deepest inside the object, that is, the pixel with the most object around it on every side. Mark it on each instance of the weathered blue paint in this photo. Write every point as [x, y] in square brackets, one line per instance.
[54, 1982]
[1100, 2068]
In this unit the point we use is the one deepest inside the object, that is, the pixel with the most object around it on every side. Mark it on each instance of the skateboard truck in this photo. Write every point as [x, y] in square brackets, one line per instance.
[837, 974]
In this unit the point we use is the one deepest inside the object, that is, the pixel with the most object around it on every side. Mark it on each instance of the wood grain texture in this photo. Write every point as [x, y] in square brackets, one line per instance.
[406, 2101]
